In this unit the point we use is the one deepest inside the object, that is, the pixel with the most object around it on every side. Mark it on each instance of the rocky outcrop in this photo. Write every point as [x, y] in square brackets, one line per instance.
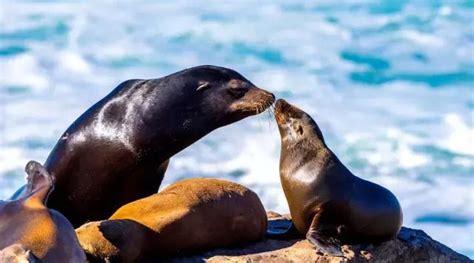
[411, 246]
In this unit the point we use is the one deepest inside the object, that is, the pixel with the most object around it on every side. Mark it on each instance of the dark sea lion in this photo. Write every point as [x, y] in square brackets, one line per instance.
[327, 202]
[118, 150]
[28, 227]
[190, 215]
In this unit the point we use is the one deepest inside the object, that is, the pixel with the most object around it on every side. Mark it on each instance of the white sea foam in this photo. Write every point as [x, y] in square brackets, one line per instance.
[460, 138]
[73, 62]
[423, 39]
[23, 70]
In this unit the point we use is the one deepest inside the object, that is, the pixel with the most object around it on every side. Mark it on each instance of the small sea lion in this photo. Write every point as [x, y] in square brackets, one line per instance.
[28, 229]
[329, 204]
[188, 216]
[118, 150]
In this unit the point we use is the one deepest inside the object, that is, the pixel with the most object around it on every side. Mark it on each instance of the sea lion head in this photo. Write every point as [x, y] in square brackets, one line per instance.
[295, 125]
[18, 253]
[121, 240]
[43, 233]
[94, 243]
[211, 97]
[40, 182]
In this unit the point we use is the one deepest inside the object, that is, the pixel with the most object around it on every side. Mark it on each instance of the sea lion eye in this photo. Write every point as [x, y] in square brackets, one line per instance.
[237, 92]
[203, 86]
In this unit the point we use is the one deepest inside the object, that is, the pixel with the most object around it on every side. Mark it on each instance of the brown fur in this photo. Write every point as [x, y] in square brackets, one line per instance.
[328, 203]
[190, 215]
[28, 222]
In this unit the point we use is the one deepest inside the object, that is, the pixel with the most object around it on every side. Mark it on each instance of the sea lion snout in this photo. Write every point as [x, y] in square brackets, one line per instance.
[280, 104]
[40, 182]
[254, 101]
[286, 114]
[284, 111]
[294, 123]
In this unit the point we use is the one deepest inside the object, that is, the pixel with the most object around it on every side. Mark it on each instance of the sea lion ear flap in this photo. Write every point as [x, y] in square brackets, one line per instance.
[299, 130]
[39, 181]
[203, 86]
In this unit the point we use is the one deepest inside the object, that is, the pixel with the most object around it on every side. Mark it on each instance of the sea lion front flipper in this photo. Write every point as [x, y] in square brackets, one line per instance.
[324, 242]
[40, 182]
[325, 236]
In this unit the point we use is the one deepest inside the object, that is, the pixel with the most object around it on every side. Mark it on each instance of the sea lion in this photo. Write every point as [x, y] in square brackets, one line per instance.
[28, 229]
[118, 150]
[190, 215]
[327, 202]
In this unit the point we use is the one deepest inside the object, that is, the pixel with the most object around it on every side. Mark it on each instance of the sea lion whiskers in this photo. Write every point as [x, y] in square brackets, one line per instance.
[269, 116]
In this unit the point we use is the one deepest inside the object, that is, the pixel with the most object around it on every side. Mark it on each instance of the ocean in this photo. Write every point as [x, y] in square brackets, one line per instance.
[389, 82]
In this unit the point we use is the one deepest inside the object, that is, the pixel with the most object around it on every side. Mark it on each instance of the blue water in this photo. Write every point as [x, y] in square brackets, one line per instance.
[389, 82]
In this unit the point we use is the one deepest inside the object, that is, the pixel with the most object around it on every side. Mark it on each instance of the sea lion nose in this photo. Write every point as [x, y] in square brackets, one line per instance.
[268, 94]
[263, 93]
[280, 105]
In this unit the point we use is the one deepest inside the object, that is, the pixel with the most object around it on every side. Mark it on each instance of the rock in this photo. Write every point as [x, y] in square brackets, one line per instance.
[411, 246]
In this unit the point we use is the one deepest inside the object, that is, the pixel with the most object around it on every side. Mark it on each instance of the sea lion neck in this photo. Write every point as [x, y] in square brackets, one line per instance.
[318, 135]
[293, 156]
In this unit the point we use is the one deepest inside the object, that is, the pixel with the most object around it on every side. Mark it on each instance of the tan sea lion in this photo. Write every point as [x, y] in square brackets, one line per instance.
[190, 215]
[27, 224]
[118, 150]
[329, 204]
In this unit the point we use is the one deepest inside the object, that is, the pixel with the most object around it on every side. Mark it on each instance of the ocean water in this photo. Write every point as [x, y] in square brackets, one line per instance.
[389, 82]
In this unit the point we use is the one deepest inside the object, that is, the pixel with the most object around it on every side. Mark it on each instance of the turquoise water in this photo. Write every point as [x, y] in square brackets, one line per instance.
[389, 82]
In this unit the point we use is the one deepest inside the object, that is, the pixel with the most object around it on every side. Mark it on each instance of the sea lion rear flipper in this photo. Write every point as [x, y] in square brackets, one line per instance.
[40, 182]
[325, 236]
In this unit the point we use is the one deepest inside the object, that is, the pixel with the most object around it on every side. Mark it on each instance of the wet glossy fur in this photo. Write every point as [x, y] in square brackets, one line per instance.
[118, 150]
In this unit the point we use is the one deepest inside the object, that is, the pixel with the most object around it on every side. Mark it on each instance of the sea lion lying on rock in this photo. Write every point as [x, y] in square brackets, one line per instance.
[28, 226]
[190, 215]
[329, 204]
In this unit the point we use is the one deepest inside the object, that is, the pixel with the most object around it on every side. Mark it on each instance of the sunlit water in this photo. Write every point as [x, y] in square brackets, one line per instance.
[391, 86]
